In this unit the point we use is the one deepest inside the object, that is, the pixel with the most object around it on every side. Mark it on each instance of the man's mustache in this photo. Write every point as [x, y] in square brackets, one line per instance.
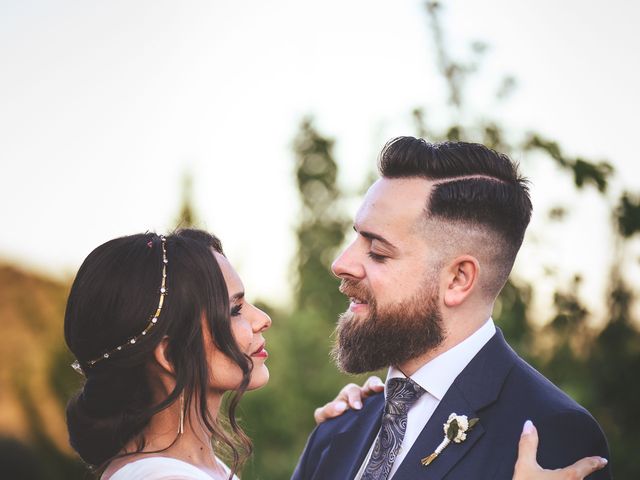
[355, 289]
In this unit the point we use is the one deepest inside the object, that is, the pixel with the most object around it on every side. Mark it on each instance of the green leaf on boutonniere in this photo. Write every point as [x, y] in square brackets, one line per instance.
[455, 430]
[452, 431]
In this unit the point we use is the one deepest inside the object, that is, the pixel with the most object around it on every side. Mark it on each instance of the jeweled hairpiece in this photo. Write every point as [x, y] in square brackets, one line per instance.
[153, 320]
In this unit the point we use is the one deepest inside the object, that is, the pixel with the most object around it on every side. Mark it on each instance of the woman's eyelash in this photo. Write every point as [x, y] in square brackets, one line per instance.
[235, 311]
[377, 258]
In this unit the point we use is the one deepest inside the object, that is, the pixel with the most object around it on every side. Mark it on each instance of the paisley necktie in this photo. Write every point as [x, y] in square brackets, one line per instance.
[402, 393]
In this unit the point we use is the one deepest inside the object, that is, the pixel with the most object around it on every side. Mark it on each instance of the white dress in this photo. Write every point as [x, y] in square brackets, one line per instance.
[163, 468]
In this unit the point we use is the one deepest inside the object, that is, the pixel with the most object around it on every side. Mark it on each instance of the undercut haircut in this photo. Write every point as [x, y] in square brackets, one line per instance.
[475, 187]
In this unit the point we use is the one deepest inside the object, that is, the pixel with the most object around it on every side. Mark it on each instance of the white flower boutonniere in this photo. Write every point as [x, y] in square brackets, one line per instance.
[455, 430]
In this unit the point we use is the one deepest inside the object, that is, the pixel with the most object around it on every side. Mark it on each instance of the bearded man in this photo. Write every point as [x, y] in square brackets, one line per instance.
[436, 238]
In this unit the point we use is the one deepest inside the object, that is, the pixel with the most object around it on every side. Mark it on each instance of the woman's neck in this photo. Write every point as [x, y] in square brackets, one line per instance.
[193, 445]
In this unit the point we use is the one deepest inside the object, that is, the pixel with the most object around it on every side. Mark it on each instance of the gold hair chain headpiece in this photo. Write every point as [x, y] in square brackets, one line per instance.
[154, 318]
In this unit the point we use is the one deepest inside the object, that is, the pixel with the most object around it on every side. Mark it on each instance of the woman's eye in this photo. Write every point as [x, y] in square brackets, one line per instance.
[377, 258]
[235, 311]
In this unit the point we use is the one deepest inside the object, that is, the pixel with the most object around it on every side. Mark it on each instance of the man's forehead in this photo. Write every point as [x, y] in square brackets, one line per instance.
[394, 204]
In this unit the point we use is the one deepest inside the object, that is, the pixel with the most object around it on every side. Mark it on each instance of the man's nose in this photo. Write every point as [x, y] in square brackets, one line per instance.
[348, 264]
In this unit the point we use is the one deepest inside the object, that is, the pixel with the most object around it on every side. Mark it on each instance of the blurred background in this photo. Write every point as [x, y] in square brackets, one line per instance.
[261, 121]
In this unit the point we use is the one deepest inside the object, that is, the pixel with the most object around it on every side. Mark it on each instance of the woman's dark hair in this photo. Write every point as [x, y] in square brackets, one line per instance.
[112, 298]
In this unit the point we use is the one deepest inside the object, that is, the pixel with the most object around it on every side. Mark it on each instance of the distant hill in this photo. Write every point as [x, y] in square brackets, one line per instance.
[35, 378]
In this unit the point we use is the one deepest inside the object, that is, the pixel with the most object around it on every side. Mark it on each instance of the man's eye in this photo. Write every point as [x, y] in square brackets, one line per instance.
[377, 258]
[235, 311]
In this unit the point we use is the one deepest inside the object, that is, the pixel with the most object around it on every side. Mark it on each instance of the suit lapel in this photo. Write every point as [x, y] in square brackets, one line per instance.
[348, 449]
[477, 386]
[433, 434]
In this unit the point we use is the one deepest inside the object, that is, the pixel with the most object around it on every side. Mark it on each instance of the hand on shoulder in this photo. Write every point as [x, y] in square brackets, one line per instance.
[351, 396]
[527, 467]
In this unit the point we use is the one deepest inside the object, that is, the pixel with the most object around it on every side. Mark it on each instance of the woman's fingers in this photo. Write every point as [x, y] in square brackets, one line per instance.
[354, 394]
[528, 446]
[527, 467]
[351, 396]
[584, 467]
[329, 410]
[371, 386]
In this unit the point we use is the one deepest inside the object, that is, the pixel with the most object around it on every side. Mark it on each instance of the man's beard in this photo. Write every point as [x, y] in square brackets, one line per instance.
[389, 336]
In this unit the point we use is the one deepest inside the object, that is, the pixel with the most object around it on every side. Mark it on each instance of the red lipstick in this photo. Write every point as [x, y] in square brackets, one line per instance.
[260, 352]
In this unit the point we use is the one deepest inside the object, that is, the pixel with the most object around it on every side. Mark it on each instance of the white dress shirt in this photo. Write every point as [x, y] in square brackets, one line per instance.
[435, 377]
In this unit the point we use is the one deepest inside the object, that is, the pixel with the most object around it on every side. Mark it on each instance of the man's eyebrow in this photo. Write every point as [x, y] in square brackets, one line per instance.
[374, 236]
[237, 296]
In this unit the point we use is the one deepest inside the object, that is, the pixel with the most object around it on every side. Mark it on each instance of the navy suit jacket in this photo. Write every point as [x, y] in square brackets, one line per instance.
[500, 389]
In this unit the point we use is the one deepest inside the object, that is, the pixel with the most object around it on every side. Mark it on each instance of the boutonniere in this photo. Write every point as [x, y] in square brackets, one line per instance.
[455, 430]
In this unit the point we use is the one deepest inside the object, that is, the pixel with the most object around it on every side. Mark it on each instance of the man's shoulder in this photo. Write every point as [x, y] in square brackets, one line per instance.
[537, 392]
[568, 430]
[514, 382]
[321, 439]
[344, 422]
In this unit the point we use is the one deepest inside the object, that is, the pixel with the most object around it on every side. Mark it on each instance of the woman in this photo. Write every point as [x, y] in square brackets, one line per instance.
[161, 330]
[160, 340]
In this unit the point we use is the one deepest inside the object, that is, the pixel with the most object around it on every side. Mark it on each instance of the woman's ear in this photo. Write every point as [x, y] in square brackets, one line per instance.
[462, 277]
[161, 354]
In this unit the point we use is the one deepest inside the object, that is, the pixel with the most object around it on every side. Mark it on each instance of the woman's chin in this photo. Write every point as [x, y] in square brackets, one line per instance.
[259, 378]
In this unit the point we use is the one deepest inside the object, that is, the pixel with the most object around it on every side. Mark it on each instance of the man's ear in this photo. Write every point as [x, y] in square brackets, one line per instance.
[461, 278]
[161, 354]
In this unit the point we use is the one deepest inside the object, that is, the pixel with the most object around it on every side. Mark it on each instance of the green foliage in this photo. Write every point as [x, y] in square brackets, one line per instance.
[510, 313]
[64, 380]
[280, 416]
[55, 463]
[613, 368]
[187, 217]
[584, 172]
[20, 461]
[627, 215]
[455, 73]
[321, 226]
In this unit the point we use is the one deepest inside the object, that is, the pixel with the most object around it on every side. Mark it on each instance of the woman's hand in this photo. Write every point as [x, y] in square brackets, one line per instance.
[350, 396]
[527, 467]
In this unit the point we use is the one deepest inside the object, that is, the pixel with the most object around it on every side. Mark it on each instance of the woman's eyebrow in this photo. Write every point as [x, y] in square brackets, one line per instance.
[236, 296]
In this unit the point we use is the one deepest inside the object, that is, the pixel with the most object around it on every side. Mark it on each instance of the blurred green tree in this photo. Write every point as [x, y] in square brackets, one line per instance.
[598, 364]
[321, 225]
[280, 415]
[187, 216]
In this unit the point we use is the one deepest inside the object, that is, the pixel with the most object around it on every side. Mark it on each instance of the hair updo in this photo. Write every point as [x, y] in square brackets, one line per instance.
[112, 299]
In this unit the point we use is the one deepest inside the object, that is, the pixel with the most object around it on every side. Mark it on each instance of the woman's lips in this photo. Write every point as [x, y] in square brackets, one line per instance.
[260, 352]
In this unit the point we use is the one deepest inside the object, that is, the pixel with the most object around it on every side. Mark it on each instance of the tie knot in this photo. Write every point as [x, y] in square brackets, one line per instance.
[402, 393]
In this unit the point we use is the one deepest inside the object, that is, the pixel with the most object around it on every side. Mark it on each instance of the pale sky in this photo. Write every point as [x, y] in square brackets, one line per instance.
[105, 104]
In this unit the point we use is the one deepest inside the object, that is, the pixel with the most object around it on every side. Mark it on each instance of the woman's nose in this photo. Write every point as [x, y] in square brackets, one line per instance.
[262, 321]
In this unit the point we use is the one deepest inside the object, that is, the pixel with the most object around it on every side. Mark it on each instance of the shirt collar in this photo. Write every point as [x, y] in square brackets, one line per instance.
[437, 375]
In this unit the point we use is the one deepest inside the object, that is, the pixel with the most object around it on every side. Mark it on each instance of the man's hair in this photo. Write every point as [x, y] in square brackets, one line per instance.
[475, 188]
